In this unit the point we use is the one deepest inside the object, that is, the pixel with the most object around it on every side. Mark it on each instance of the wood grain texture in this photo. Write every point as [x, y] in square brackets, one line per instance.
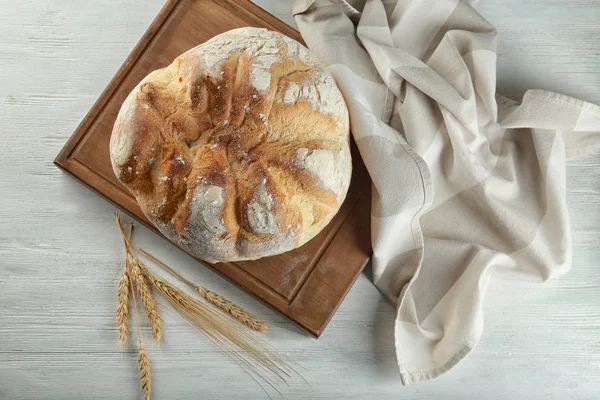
[60, 253]
[306, 284]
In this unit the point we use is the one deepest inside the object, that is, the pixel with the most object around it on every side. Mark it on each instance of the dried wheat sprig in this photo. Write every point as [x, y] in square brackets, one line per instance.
[248, 350]
[237, 312]
[143, 360]
[226, 305]
[146, 378]
[123, 308]
[123, 300]
[141, 284]
[145, 292]
[254, 356]
[126, 239]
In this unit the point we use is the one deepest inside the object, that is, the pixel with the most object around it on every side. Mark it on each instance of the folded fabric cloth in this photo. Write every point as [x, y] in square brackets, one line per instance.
[467, 185]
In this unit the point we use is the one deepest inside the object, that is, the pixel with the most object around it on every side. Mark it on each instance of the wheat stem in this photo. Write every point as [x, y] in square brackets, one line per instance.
[164, 265]
[226, 305]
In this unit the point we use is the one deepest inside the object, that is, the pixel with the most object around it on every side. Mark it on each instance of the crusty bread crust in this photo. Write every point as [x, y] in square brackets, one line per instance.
[237, 150]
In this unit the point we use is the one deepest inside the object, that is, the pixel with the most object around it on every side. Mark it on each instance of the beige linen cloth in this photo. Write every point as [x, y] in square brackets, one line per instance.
[467, 185]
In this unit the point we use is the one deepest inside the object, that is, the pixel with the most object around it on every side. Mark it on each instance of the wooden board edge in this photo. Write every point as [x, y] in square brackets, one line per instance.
[326, 322]
[316, 332]
[344, 214]
[349, 227]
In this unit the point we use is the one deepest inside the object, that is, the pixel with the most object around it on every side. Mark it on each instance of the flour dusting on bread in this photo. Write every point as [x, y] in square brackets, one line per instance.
[260, 217]
[206, 209]
[323, 164]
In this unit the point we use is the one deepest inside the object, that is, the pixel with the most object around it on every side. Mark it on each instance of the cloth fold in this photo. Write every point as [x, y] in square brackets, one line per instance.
[467, 184]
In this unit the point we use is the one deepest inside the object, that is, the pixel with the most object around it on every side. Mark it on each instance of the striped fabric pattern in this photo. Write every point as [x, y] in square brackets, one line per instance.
[467, 185]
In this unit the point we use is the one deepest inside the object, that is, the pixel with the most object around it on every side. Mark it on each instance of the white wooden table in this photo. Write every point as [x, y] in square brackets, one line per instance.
[60, 254]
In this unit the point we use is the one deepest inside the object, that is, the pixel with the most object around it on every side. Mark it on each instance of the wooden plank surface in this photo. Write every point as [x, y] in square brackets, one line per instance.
[301, 284]
[60, 255]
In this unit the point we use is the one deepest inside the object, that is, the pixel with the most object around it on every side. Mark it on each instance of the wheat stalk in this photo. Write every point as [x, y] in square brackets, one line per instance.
[226, 305]
[123, 300]
[123, 308]
[253, 355]
[145, 292]
[141, 284]
[242, 346]
[143, 360]
[237, 312]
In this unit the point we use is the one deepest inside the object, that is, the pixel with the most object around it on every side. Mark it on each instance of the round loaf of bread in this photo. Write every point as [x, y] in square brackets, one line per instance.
[237, 150]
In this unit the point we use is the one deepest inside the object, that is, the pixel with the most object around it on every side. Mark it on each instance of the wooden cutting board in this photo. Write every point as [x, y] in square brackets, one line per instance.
[308, 284]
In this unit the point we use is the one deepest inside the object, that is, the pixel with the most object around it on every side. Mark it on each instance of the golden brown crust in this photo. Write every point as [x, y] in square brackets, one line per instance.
[238, 149]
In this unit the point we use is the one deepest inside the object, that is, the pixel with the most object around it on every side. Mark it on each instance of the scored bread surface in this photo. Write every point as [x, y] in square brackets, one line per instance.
[237, 150]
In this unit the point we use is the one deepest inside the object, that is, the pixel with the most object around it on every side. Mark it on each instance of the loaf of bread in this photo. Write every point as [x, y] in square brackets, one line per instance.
[237, 150]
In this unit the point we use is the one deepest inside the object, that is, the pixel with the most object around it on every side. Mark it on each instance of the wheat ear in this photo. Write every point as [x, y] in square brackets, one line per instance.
[145, 292]
[143, 360]
[226, 305]
[123, 308]
[141, 284]
[145, 372]
[238, 313]
[123, 300]
[252, 354]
